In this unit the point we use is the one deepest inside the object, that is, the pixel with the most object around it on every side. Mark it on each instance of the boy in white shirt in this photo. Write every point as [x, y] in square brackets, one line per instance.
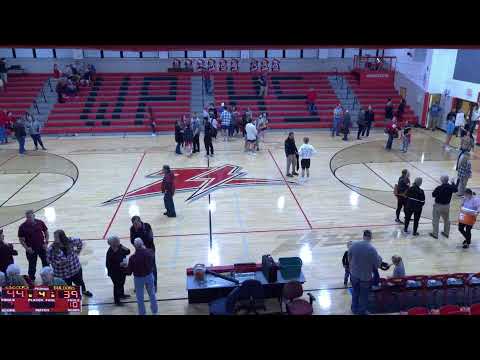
[305, 152]
[251, 136]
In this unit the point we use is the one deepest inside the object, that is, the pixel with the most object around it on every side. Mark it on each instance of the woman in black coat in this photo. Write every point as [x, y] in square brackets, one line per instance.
[178, 136]
[415, 199]
[116, 264]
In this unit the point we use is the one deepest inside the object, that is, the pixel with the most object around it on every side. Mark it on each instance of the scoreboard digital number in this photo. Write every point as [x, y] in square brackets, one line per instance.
[41, 299]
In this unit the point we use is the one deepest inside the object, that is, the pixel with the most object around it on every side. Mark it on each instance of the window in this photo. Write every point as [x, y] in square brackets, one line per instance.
[131, 54]
[292, 53]
[310, 53]
[195, 54]
[6, 53]
[44, 53]
[335, 53]
[91, 53]
[257, 53]
[64, 53]
[232, 53]
[274, 53]
[24, 53]
[160, 54]
[350, 52]
[213, 53]
[174, 54]
[111, 54]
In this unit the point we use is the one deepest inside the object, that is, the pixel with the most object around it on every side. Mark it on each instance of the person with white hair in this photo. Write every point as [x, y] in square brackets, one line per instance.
[13, 276]
[116, 262]
[414, 205]
[141, 265]
[48, 278]
[442, 195]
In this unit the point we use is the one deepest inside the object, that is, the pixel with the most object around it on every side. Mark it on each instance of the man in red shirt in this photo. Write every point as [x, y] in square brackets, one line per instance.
[311, 98]
[168, 188]
[33, 235]
[392, 131]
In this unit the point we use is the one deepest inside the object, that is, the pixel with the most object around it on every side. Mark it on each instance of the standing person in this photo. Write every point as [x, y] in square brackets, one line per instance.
[392, 132]
[235, 121]
[475, 118]
[3, 127]
[34, 129]
[262, 124]
[401, 109]
[406, 138]
[400, 192]
[262, 83]
[226, 118]
[362, 259]
[144, 231]
[470, 204]
[196, 128]
[291, 153]
[369, 119]
[188, 138]
[435, 112]
[140, 265]
[464, 173]
[33, 236]
[414, 205]
[389, 110]
[168, 189]
[153, 124]
[450, 131]
[7, 252]
[3, 71]
[361, 122]
[337, 118]
[459, 121]
[116, 263]
[346, 125]
[466, 145]
[56, 72]
[251, 136]
[311, 99]
[178, 136]
[306, 152]
[442, 195]
[207, 138]
[63, 257]
[345, 264]
[20, 134]
[207, 81]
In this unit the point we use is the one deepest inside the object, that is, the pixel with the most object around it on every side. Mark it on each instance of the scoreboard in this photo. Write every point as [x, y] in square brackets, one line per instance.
[41, 299]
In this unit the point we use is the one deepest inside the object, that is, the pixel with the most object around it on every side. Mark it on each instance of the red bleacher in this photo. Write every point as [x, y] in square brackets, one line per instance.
[21, 90]
[118, 102]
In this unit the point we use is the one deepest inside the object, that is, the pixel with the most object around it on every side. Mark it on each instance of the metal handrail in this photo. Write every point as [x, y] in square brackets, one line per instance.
[36, 106]
[43, 94]
[50, 84]
[347, 91]
[336, 73]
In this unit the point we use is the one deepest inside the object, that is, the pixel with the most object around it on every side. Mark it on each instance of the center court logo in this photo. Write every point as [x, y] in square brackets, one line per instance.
[199, 180]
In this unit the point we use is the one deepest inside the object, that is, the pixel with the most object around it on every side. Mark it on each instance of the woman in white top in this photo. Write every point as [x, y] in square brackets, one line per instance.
[305, 152]
[251, 136]
[459, 121]
[471, 204]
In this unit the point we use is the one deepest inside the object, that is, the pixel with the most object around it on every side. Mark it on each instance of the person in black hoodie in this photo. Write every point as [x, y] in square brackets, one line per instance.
[291, 153]
[401, 108]
[414, 205]
[178, 136]
[143, 230]
[389, 110]
[116, 264]
[369, 119]
[20, 135]
[346, 265]
[207, 138]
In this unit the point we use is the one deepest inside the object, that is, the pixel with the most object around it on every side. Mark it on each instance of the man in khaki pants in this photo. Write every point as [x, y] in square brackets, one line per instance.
[441, 208]
[291, 152]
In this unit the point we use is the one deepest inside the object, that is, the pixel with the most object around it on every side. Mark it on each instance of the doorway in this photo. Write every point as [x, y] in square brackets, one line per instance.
[434, 98]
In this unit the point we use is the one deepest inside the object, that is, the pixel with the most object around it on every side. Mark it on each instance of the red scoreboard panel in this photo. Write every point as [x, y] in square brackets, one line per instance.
[39, 299]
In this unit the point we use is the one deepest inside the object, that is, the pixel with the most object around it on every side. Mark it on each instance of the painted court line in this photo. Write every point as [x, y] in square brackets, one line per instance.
[381, 178]
[289, 188]
[123, 197]
[20, 189]
[10, 158]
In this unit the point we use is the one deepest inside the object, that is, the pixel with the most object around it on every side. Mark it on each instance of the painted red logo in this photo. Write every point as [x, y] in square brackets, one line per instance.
[201, 181]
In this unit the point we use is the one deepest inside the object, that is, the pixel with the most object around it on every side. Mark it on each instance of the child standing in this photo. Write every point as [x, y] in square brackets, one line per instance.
[305, 153]
[188, 138]
[407, 137]
[450, 131]
[346, 265]
[399, 269]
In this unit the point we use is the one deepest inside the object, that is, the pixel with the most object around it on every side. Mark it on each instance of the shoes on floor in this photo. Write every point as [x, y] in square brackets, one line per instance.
[295, 173]
[165, 213]
[399, 221]
[87, 293]
[445, 234]
[289, 175]
[120, 303]
[406, 231]
[432, 235]
[466, 246]
[124, 296]
[415, 234]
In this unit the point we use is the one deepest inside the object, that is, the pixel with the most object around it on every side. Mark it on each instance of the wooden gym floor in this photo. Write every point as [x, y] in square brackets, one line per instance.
[350, 190]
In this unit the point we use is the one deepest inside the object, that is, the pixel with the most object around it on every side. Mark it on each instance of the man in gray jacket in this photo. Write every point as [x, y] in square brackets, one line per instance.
[363, 259]
[34, 127]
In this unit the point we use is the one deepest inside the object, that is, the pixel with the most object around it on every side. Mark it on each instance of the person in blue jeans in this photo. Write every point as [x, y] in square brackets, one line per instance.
[141, 265]
[20, 135]
[3, 134]
[362, 258]
[337, 119]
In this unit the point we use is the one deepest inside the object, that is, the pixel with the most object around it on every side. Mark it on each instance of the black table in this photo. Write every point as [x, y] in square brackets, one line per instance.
[213, 287]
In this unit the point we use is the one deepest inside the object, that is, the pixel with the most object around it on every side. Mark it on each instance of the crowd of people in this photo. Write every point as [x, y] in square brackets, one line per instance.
[20, 128]
[70, 79]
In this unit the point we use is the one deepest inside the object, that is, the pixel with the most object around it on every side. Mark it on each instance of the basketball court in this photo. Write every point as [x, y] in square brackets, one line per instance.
[232, 208]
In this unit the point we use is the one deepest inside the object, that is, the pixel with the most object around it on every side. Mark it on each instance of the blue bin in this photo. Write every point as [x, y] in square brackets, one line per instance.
[290, 267]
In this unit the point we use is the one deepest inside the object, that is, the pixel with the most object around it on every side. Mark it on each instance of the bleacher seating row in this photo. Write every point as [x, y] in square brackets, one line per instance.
[21, 91]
